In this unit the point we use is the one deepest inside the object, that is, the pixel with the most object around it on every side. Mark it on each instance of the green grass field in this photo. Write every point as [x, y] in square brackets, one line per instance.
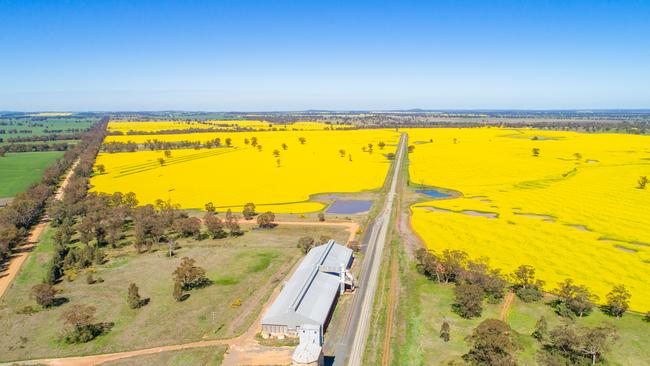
[245, 268]
[39, 128]
[19, 170]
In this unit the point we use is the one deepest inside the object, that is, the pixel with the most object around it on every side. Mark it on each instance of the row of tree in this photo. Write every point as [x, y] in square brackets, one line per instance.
[476, 281]
[51, 137]
[56, 146]
[25, 209]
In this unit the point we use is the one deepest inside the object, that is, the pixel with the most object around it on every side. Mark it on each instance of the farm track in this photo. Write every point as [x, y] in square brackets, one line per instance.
[507, 303]
[16, 261]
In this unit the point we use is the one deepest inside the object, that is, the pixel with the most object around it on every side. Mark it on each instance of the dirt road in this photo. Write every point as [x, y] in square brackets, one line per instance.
[18, 258]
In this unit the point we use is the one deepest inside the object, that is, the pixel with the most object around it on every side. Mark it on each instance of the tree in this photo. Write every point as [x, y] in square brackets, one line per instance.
[444, 332]
[491, 344]
[578, 156]
[161, 161]
[618, 301]
[535, 152]
[411, 148]
[277, 162]
[390, 156]
[284, 146]
[643, 182]
[188, 275]
[576, 298]
[187, 226]
[232, 224]
[306, 243]
[133, 299]
[541, 329]
[265, 220]
[527, 288]
[569, 344]
[321, 217]
[80, 320]
[246, 141]
[44, 294]
[342, 153]
[101, 169]
[302, 140]
[253, 141]
[228, 141]
[168, 154]
[468, 300]
[381, 145]
[209, 207]
[249, 211]
[349, 157]
[595, 341]
[215, 226]
[276, 153]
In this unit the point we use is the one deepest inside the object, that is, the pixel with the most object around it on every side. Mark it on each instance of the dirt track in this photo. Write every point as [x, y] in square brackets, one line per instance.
[507, 303]
[16, 261]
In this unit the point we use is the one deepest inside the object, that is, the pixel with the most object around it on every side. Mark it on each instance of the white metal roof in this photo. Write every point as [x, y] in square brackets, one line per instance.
[308, 295]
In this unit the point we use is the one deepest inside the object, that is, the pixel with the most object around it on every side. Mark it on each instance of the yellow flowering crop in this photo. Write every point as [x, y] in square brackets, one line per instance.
[230, 177]
[226, 125]
[572, 211]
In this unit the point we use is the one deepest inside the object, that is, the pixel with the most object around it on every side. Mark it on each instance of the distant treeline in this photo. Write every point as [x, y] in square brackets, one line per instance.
[54, 137]
[57, 146]
[26, 208]
[25, 131]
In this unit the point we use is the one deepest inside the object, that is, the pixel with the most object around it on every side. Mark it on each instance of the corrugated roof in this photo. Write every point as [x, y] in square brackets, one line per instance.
[308, 295]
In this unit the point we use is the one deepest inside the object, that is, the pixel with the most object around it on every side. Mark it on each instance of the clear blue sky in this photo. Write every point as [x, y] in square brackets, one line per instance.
[293, 55]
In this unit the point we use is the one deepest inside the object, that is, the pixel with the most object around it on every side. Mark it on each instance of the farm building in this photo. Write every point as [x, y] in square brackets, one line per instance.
[310, 294]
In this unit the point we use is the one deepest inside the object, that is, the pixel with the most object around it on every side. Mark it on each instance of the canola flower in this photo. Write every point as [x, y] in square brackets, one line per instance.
[227, 125]
[574, 210]
[281, 181]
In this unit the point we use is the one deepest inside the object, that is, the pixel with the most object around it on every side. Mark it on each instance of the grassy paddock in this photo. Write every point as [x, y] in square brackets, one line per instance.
[19, 170]
[209, 356]
[425, 305]
[246, 268]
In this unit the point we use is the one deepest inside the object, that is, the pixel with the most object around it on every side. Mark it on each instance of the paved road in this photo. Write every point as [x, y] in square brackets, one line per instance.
[352, 346]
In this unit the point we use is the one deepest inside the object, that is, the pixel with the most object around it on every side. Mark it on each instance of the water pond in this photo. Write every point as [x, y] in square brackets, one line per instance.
[349, 207]
[433, 193]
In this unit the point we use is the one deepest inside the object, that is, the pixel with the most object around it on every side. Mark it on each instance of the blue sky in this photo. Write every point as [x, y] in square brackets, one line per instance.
[294, 55]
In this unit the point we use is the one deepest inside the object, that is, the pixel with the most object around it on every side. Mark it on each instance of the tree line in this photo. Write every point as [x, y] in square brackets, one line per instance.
[155, 144]
[26, 208]
[53, 137]
[13, 148]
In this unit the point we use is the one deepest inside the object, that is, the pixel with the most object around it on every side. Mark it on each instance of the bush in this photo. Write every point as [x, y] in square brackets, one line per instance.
[530, 294]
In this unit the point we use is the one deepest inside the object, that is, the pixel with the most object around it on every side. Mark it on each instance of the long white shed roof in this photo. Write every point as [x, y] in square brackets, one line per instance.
[308, 295]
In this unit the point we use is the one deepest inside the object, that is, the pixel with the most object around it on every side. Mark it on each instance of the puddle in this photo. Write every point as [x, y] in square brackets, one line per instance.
[349, 207]
[591, 161]
[489, 215]
[433, 193]
[626, 250]
[536, 216]
[579, 227]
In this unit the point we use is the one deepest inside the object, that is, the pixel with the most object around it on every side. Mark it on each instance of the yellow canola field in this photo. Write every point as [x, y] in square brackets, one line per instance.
[230, 177]
[227, 125]
[573, 211]
[154, 126]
